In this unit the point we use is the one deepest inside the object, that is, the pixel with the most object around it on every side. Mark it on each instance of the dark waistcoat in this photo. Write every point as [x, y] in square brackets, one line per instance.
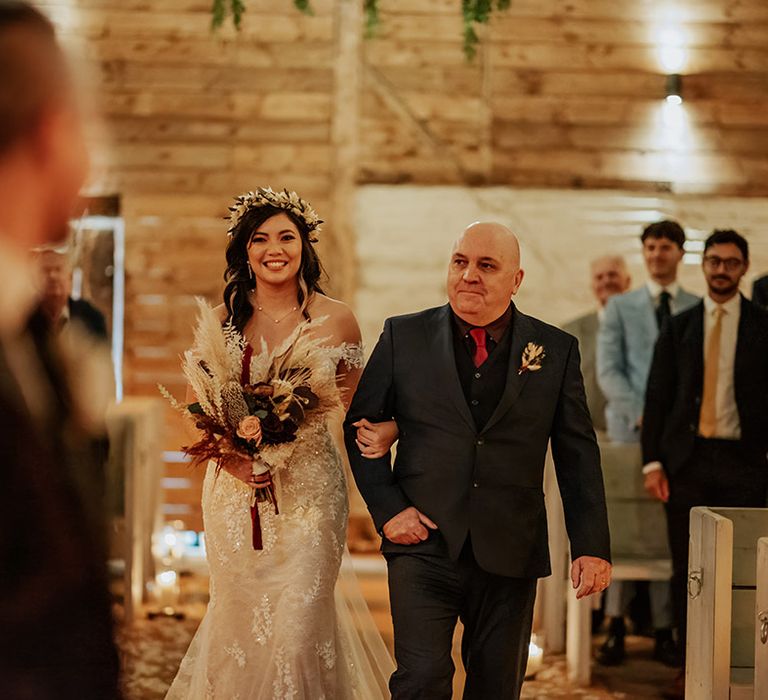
[483, 386]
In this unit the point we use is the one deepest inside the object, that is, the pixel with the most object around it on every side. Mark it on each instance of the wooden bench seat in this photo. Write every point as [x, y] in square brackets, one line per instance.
[727, 581]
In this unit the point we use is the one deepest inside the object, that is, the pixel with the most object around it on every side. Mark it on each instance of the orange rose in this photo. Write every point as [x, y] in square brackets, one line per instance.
[250, 429]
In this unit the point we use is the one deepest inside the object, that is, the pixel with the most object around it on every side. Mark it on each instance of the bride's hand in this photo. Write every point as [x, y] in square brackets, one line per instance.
[238, 466]
[375, 439]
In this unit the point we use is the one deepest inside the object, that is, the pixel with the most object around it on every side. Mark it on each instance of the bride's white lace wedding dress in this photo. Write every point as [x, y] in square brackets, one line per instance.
[278, 625]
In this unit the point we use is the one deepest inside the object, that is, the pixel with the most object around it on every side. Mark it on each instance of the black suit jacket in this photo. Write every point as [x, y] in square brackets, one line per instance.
[676, 381]
[55, 618]
[484, 483]
[90, 317]
[760, 291]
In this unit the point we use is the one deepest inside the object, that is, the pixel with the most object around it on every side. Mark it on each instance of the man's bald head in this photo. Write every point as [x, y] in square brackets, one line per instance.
[484, 272]
[495, 234]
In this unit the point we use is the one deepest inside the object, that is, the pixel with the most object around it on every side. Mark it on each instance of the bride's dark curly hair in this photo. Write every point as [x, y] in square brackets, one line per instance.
[238, 276]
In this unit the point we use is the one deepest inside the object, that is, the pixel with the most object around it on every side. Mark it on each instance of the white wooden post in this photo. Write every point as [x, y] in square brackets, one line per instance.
[554, 588]
[135, 428]
[345, 136]
[578, 640]
[710, 566]
[761, 626]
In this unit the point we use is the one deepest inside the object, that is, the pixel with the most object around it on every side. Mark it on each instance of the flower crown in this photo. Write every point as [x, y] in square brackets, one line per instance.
[266, 196]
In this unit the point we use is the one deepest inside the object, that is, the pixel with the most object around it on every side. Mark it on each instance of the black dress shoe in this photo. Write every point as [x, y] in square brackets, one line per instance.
[666, 650]
[598, 617]
[611, 653]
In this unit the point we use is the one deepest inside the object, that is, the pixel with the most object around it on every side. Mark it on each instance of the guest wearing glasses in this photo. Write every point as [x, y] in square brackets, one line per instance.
[705, 423]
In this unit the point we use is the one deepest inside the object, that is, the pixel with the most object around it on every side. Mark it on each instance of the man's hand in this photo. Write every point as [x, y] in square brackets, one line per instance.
[657, 484]
[590, 575]
[375, 439]
[408, 527]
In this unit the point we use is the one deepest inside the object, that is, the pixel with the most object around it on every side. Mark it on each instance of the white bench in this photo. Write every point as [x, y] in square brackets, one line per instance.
[639, 545]
[725, 656]
[135, 428]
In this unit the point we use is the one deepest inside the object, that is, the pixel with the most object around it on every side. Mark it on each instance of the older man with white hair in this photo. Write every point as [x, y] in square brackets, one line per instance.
[608, 276]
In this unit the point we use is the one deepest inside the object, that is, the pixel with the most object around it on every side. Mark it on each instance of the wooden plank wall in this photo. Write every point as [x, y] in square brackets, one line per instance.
[190, 119]
[564, 93]
[569, 93]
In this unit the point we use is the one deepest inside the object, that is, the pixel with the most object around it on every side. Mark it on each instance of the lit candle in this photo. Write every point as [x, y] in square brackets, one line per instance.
[167, 589]
[535, 659]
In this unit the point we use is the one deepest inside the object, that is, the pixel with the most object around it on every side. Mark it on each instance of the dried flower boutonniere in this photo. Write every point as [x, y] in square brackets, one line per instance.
[532, 357]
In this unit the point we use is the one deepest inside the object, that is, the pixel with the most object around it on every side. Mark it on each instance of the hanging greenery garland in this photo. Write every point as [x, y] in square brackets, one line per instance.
[222, 8]
[371, 9]
[474, 13]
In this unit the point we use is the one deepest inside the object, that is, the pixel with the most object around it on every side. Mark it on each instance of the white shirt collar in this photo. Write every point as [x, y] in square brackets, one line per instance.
[732, 307]
[21, 288]
[655, 289]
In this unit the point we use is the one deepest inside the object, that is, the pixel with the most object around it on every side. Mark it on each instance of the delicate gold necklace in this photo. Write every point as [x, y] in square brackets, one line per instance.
[271, 318]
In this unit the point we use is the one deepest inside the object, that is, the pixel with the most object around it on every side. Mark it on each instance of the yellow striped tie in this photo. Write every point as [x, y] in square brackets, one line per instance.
[708, 416]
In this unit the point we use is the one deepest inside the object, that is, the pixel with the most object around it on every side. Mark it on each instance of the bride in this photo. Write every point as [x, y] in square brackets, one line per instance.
[278, 624]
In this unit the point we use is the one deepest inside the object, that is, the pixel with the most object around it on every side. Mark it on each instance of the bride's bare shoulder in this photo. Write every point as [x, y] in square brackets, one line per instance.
[323, 305]
[340, 317]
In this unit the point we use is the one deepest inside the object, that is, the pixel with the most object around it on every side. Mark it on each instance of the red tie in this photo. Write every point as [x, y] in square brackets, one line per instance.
[481, 352]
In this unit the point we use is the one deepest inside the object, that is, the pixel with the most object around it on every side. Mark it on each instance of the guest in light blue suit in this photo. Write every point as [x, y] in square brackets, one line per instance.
[625, 344]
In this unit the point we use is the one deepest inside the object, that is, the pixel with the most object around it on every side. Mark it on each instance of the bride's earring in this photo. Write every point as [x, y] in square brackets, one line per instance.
[250, 271]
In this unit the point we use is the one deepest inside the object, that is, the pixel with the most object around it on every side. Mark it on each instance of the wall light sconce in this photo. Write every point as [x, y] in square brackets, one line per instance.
[674, 89]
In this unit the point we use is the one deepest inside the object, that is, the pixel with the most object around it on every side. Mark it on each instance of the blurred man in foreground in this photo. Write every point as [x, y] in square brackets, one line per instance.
[55, 624]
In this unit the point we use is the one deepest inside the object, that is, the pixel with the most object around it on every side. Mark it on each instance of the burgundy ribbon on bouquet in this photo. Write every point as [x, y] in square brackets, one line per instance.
[245, 370]
[263, 483]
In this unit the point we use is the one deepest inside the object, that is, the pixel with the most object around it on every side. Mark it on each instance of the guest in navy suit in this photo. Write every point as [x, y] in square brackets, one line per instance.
[705, 423]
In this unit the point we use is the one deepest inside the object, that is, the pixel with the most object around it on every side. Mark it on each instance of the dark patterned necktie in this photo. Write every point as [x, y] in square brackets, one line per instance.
[481, 351]
[663, 310]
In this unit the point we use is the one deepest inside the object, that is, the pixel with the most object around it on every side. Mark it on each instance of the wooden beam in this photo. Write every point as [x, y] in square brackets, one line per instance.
[345, 122]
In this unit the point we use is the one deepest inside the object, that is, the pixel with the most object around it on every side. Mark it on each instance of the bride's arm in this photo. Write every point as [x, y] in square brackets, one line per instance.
[373, 439]
[350, 366]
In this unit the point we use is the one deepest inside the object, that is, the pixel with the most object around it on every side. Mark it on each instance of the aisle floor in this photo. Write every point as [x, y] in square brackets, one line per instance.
[151, 651]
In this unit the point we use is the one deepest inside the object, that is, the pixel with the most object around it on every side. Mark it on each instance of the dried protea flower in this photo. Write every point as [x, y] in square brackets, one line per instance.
[235, 408]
